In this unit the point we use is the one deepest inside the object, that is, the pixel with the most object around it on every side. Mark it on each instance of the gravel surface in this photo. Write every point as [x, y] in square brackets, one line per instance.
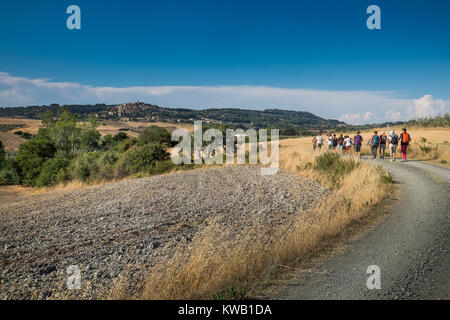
[411, 246]
[123, 226]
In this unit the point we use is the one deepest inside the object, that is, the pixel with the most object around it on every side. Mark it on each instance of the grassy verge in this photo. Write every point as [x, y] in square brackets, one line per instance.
[219, 268]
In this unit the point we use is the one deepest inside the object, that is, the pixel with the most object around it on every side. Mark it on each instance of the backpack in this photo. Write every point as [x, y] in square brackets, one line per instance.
[394, 140]
[375, 139]
[382, 139]
[405, 137]
[358, 140]
[334, 142]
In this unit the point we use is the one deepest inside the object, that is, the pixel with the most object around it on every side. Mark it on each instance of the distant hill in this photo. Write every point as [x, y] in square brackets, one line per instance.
[139, 111]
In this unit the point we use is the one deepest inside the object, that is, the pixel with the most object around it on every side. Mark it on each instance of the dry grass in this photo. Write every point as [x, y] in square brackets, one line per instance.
[214, 266]
[10, 193]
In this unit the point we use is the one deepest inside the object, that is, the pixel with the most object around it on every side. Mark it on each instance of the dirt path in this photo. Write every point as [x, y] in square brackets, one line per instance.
[411, 246]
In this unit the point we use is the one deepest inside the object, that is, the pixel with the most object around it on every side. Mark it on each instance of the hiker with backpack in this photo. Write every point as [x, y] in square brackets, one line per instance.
[393, 143]
[405, 139]
[334, 141]
[382, 145]
[340, 142]
[314, 142]
[357, 142]
[374, 142]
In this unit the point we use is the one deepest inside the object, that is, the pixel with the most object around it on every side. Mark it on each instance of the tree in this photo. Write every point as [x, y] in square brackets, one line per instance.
[48, 119]
[64, 133]
[31, 157]
[90, 140]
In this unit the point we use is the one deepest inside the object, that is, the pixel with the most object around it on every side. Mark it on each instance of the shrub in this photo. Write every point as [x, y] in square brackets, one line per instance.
[2, 155]
[53, 171]
[90, 140]
[385, 177]
[162, 166]
[9, 176]
[154, 134]
[120, 137]
[24, 134]
[9, 171]
[143, 158]
[107, 142]
[109, 158]
[85, 166]
[334, 167]
[125, 145]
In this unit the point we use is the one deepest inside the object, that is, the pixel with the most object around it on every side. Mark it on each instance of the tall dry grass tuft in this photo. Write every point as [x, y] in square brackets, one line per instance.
[215, 261]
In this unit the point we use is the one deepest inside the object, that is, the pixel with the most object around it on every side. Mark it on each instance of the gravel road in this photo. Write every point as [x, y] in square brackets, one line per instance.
[122, 226]
[411, 246]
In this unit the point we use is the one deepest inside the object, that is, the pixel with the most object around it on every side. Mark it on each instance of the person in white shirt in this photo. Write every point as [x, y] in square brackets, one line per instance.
[330, 141]
[393, 143]
[348, 144]
[319, 142]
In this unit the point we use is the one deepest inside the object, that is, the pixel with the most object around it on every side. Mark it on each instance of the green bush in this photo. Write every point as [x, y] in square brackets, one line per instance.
[31, 157]
[154, 135]
[162, 166]
[125, 145]
[109, 158]
[120, 137]
[142, 158]
[2, 155]
[9, 171]
[334, 166]
[90, 140]
[9, 176]
[85, 167]
[53, 172]
[385, 177]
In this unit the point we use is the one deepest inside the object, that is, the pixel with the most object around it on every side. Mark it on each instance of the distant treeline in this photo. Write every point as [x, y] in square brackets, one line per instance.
[270, 118]
[36, 112]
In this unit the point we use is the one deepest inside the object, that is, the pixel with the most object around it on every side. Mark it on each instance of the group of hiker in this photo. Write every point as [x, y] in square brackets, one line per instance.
[378, 143]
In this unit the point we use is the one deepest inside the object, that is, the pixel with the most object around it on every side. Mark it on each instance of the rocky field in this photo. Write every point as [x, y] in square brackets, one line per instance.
[131, 225]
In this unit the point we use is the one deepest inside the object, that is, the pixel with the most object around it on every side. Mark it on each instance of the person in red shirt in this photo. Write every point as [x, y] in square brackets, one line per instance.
[405, 139]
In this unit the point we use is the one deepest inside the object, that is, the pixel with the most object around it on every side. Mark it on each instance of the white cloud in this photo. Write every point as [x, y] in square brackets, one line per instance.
[350, 106]
[427, 106]
[358, 118]
[393, 116]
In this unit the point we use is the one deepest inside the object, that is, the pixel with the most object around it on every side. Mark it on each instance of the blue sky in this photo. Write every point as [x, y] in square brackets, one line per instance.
[301, 55]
